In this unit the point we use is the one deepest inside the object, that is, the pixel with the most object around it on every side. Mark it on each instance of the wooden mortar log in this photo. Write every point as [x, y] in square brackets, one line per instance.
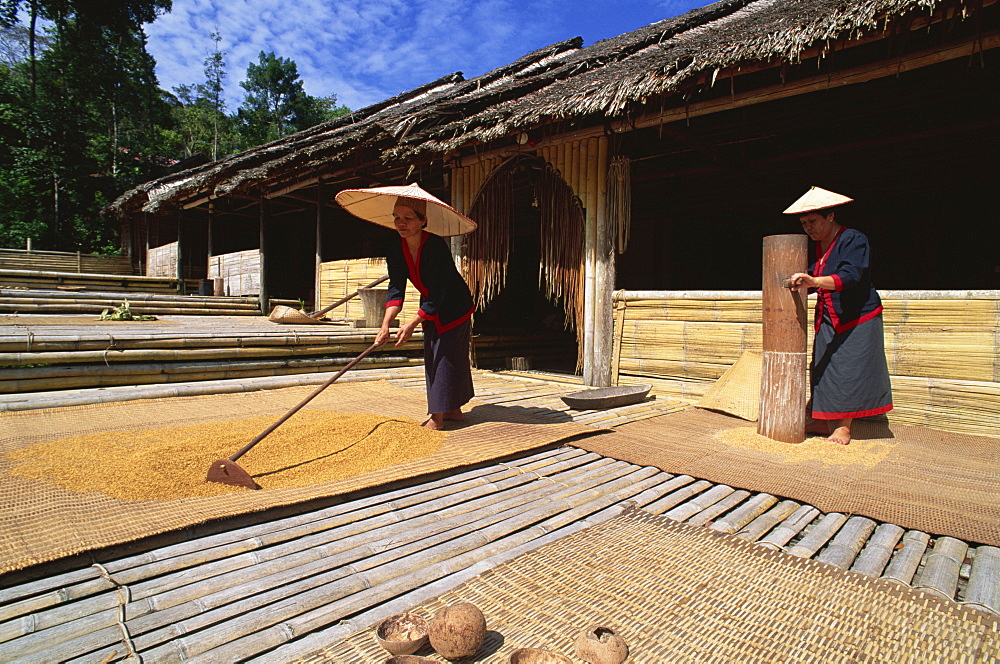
[783, 367]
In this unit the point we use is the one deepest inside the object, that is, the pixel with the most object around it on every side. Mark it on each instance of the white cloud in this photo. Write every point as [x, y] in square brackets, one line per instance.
[367, 50]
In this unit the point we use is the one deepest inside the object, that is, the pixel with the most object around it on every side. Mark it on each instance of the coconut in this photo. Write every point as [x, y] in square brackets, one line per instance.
[402, 634]
[535, 656]
[601, 645]
[458, 630]
[411, 659]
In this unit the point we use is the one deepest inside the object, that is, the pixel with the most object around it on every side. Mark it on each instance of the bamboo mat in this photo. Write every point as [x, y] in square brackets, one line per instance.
[938, 482]
[40, 521]
[680, 593]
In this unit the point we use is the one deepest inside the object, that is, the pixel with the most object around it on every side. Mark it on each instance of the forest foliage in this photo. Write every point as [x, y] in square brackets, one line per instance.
[83, 119]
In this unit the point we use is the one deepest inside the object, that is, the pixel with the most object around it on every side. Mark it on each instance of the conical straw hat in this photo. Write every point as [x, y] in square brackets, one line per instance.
[376, 204]
[816, 199]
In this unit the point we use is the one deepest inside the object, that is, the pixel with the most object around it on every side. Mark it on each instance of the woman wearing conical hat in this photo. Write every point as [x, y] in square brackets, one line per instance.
[849, 376]
[422, 256]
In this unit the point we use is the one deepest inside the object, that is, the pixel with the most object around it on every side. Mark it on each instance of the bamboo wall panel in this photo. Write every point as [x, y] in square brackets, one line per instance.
[341, 278]
[239, 270]
[943, 352]
[162, 261]
[62, 261]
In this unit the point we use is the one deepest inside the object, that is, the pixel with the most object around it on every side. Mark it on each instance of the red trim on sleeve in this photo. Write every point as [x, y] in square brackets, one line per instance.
[393, 303]
[838, 283]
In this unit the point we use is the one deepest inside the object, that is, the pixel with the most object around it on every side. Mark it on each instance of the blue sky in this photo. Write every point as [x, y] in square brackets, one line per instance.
[367, 50]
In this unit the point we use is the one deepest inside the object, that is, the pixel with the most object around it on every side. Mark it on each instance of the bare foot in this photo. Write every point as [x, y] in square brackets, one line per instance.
[435, 422]
[455, 415]
[841, 434]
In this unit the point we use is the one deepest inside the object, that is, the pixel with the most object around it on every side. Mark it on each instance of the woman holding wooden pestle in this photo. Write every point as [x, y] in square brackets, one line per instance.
[423, 257]
[849, 376]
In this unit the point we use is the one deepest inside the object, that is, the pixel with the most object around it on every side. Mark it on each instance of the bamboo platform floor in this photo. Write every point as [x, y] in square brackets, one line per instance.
[280, 585]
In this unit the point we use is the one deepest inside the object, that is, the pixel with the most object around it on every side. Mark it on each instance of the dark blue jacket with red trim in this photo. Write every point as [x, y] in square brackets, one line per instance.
[445, 299]
[853, 300]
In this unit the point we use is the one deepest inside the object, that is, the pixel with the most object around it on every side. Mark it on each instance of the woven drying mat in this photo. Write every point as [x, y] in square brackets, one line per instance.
[934, 481]
[679, 593]
[41, 521]
[737, 392]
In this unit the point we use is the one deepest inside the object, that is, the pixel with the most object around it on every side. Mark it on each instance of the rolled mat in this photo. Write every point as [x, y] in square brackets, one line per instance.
[939, 482]
[40, 520]
[679, 593]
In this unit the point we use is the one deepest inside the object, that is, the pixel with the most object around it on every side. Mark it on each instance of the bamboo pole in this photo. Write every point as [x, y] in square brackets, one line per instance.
[940, 571]
[744, 514]
[700, 503]
[984, 580]
[848, 542]
[904, 563]
[689, 488]
[768, 520]
[821, 533]
[878, 550]
[783, 370]
[709, 513]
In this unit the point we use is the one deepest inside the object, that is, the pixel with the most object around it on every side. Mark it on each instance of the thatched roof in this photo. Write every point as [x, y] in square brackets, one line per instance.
[559, 82]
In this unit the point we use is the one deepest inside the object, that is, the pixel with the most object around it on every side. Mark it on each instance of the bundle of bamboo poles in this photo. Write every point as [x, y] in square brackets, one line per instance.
[942, 348]
[131, 283]
[57, 301]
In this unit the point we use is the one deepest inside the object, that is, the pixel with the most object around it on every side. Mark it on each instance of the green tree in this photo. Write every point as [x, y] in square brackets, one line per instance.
[202, 125]
[80, 123]
[276, 102]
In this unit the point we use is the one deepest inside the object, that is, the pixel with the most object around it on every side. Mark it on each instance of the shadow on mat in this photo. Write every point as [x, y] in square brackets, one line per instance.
[513, 414]
[876, 428]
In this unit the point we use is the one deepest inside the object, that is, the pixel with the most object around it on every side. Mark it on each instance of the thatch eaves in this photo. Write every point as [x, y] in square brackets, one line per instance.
[558, 82]
[663, 58]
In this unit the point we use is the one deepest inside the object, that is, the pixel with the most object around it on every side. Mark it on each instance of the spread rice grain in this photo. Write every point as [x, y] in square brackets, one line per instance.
[860, 452]
[161, 464]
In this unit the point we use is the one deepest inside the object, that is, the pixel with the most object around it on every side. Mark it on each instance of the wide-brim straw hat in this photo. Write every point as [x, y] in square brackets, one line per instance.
[376, 204]
[816, 199]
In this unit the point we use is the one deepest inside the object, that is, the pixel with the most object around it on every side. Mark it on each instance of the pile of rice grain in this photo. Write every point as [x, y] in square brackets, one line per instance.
[161, 464]
[860, 452]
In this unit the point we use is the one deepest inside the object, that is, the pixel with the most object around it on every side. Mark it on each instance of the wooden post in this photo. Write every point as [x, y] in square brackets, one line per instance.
[317, 275]
[783, 370]
[604, 265]
[265, 218]
[180, 254]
